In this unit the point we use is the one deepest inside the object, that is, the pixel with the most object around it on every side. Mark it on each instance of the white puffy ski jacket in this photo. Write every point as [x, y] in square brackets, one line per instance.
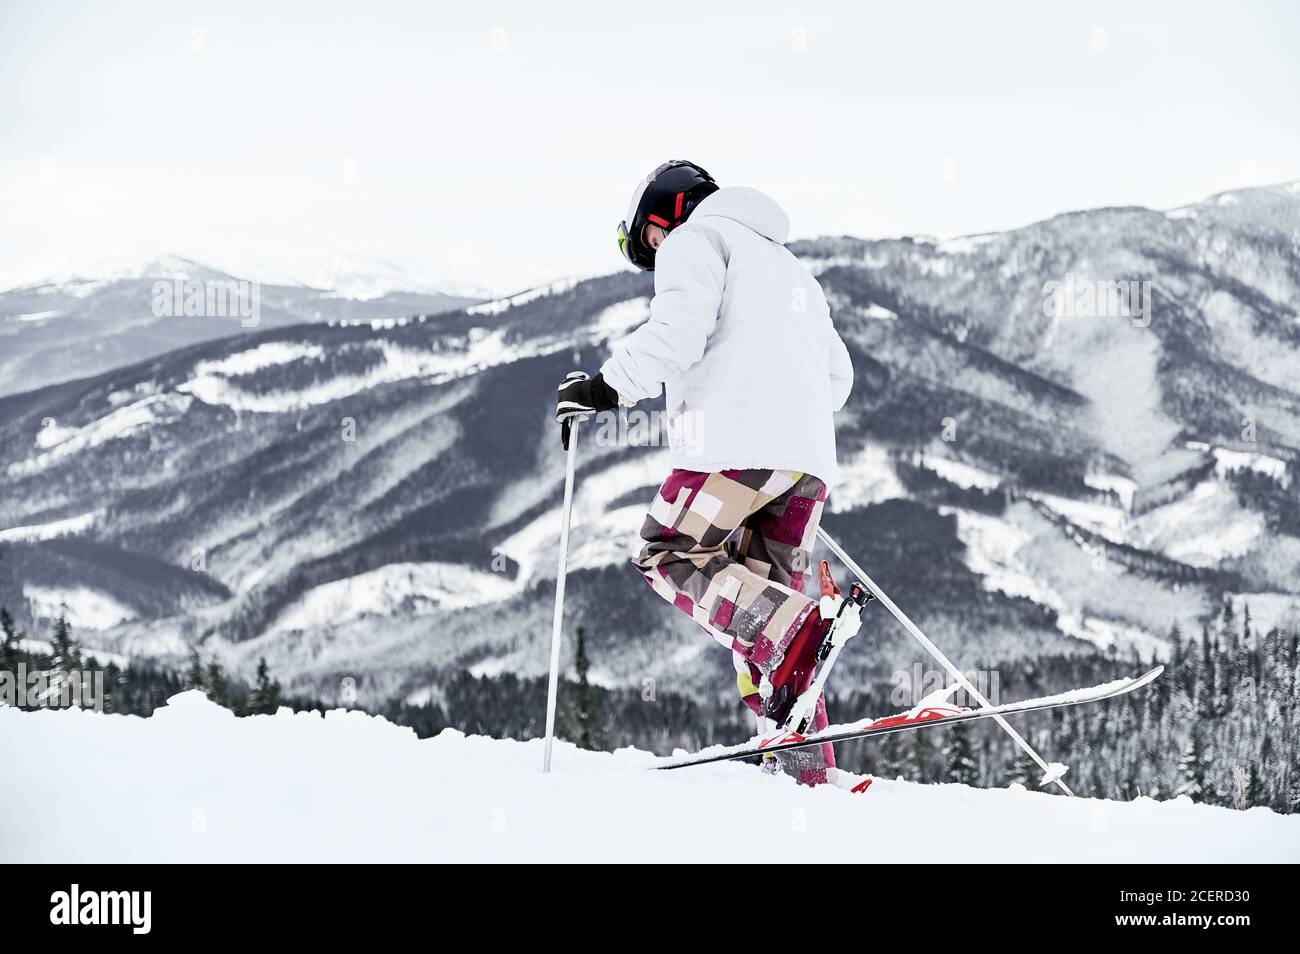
[741, 335]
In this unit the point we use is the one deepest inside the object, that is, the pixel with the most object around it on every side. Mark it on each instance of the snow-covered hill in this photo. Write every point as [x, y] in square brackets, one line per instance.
[104, 317]
[193, 783]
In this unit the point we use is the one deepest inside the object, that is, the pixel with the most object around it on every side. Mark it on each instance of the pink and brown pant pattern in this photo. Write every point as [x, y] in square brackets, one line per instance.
[732, 549]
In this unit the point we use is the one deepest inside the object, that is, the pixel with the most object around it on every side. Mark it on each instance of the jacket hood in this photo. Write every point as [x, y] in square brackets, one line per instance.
[750, 208]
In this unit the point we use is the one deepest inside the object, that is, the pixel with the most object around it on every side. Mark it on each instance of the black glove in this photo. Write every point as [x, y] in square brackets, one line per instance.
[578, 396]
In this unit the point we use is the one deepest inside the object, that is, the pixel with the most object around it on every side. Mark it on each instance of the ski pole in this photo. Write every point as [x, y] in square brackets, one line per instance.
[937, 653]
[553, 685]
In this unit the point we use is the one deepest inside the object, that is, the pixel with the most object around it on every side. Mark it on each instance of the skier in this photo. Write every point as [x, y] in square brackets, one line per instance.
[741, 337]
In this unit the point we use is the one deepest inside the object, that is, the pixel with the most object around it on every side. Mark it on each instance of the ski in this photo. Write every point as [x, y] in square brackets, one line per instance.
[927, 713]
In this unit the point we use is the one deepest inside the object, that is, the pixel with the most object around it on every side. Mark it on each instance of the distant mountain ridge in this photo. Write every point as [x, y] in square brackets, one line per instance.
[76, 326]
[377, 498]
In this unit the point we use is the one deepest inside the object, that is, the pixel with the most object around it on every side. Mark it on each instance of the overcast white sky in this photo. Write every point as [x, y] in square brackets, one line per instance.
[492, 143]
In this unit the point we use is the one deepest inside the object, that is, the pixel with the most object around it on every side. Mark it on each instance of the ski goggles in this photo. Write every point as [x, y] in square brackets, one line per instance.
[624, 242]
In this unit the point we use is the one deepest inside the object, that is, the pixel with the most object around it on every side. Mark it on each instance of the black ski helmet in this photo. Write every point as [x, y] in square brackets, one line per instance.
[666, 197]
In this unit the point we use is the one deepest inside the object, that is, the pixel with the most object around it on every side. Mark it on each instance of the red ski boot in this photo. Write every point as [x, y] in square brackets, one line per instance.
[795, 673]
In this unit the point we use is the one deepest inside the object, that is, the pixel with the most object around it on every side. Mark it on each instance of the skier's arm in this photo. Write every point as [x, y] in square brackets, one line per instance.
[689, 276]
[841, 372]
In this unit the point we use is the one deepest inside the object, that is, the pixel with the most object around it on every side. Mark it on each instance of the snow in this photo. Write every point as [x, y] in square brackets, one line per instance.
[992, 544]
[474, 352]
[69, 526]
[1109, 521]
[956, 472]
[688, 653]
[58, 442]
[127, 395]
[967, 244]
[87, 609]
[1203, 527]
[351, 787]
[868, 259]
[1122, 380]
[418, 588]
[1122, 487]
[502, 305]
[87, 276]
[865, 477]
[1107, 633]
[211, 386]
[466, 270]
[619, 319]
[1217, 544]
[52, 435]
[102, 656]
[1268, 610]
[495, 666]
[264, 356]
[1226, 461]
[600, 536]
[360, 278]
[610, 539]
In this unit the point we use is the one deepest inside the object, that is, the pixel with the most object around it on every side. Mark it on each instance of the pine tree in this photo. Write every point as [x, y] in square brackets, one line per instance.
[194, 678]
[10, 655]
[1023, 771]
[1097, 784]
[1192, 766]
[65, 659]
[888, 758]
[1249, 658]
[218, 684]
[1225, 651]
[961, 766]
[923, 757]
[1227, 617]
[65, 654]
[1207, 685]
[265, 698]
[1175, 652]
[113, 680]
[587, 709]
[1256, 790]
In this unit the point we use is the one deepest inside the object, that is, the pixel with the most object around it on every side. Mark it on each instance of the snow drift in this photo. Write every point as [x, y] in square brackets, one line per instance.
[194, 783]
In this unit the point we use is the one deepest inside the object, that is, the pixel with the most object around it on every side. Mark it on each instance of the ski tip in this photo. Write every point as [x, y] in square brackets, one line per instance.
[1151, 676]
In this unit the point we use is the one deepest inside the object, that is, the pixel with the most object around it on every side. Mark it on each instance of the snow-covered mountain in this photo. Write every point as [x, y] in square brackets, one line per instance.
[105, 317]
[352, 787]
[458, 271]
[378, 499]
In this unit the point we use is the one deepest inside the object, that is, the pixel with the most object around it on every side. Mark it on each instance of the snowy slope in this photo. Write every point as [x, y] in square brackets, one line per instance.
[193, 783]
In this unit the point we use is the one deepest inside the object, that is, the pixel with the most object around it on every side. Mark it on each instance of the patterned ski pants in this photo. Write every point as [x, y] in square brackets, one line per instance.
[732, 549]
